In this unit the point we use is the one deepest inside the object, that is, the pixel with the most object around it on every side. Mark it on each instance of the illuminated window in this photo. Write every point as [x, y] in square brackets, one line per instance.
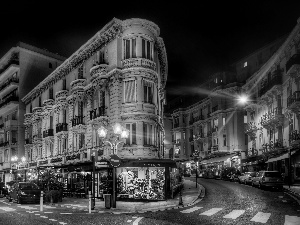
[129, 48]
[147, 49]
[131, 140]
[245, 64]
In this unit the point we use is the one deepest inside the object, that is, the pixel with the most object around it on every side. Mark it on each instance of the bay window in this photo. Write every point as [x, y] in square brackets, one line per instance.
[129, 46]
[131, 140]
[129, 91]
[147, 49]
[148, 91]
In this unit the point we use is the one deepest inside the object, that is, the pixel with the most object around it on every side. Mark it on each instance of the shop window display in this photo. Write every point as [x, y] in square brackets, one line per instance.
[141, 183]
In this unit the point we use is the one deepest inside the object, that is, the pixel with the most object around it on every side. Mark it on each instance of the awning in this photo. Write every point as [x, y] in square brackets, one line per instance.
[217, 159]
[284, 156]
[148, 163]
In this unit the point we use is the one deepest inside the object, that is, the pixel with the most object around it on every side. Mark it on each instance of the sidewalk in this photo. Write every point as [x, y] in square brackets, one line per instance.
[190, 194]
[293, 189]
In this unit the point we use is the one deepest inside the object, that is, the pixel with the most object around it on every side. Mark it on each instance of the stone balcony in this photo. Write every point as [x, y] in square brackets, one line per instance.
[139, 62]
[28, 118]
[98, 71]
[272, 118]
[251, 129]
[78, 84]
[293, 102]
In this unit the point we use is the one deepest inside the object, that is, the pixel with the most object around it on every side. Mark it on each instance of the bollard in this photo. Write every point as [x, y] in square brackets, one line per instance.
[90, 202]
[41, 201]
[180, 198]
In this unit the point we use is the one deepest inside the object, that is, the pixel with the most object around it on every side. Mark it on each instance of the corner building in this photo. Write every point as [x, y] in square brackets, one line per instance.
[118, 76]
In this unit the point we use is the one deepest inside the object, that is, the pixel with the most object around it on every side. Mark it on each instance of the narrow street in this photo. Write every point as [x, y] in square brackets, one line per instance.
[224, 203]
[232, 203]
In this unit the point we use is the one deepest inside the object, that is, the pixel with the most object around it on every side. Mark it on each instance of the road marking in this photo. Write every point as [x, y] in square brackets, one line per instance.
[37, 214]
[280, 196]
[62, 223]
[7, 209]
[66, 213]
[26, 207]
[284, 200]
[44, 216]
[48, 212]
[136, 222]
[291, 220]
[49, 207]
[261, 217]
[129, 221]
[52, 219]
[211, 211]
[234, 214]
[191, 209]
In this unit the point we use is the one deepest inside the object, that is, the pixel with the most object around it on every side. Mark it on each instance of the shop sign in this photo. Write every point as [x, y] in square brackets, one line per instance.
[101, 164]
[115, 160]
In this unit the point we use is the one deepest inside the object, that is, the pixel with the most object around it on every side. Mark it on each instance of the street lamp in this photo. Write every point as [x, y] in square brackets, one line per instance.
[243, 99]
[119, 132]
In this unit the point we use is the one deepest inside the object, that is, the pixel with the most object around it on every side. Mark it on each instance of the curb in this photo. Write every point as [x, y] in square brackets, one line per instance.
[201, 195]
[295, 194]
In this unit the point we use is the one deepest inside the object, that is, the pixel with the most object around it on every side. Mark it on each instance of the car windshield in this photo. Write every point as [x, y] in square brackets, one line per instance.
[28, 186]
[272, 174]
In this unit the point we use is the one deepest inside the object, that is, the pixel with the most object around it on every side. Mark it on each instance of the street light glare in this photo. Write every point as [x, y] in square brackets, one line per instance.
[243, 99]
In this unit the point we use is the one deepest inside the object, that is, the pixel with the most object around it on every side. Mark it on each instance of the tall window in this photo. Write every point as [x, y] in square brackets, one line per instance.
[148, 91]
[81, 140]
[129, 48]
[148, 134]
[51, 93]
[131, 140]
[6, 155]
[147, 47]
[64, 87]
[129, 89]
[40, 101]
[14, 136]
[224, 140]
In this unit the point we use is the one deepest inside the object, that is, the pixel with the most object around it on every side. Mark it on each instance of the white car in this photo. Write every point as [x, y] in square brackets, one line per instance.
[246, 177]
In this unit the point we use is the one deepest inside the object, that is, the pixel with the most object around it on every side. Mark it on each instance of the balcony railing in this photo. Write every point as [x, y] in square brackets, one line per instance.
[8, 100]
[14, 60]
[28, 141]
[77, 121]
[276, 80]
[48, 133]
[295, 59]
[61, 127]
[95, 113]
[295, 97]
[175, 125]
[215, 148]
[294, 136]
[270, 116]
[4, 144]
[139, 62]
[8, 82]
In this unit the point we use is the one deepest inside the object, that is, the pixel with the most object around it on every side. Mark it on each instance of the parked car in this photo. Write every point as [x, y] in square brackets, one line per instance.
[25, 192]
[3, 190]
[268, 179]
[246, 177]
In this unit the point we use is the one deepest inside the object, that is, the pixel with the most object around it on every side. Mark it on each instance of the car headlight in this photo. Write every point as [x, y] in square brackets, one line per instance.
[22, 193]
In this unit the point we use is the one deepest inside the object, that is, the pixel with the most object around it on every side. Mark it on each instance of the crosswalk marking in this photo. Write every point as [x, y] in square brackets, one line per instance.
[292, 220]
[7, 209]
[52, 219]
[261, 217]
[211, 211]
[191, 209]
[26, 207]
[49, 207]
[234, 214]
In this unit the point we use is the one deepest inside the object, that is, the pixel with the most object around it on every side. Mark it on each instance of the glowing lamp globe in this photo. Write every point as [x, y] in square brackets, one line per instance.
[23, 159]
[243, 99]
[102, 132]
[125, 133]
[117, 128]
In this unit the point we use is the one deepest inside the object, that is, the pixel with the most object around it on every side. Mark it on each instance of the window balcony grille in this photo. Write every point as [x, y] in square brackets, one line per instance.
[77, 120]
[61, 127]
[98, 112]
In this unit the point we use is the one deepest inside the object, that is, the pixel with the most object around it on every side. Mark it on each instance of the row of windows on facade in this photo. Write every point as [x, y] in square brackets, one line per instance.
[129, 94]
[9, 136]
[149, 136]
[130, 48]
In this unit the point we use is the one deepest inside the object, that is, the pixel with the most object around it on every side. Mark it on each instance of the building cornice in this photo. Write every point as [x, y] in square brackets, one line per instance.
[109, 32]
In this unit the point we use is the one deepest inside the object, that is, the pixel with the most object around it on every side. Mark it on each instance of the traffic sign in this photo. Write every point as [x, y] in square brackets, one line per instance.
[115, 160]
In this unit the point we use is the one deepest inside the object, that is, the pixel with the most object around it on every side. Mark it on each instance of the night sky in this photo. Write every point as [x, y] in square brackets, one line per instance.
[200, 39]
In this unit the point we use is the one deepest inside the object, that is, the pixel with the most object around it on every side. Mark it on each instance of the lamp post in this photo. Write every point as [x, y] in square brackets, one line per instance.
[119, 132]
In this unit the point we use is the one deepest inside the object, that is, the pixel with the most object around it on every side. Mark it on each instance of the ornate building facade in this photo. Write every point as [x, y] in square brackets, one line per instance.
[21, 68]
[118, 76]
